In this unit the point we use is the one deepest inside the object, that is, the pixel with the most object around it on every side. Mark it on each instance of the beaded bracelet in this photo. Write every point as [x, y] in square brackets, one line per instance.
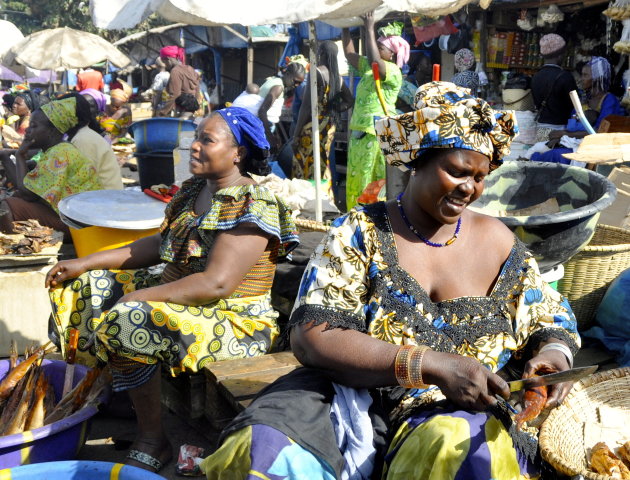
[408, 366]
[561, 347]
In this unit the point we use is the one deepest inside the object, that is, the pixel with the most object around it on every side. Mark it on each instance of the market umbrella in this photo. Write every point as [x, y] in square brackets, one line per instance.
[10, 35]
[62, 48]
[121, 14]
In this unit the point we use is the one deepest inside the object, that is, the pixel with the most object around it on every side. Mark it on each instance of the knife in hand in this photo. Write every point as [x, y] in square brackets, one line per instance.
[551, 379]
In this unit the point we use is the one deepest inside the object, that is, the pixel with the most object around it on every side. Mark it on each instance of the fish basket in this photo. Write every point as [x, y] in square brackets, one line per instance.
[304, 224]
[561, 438]
[588, 274]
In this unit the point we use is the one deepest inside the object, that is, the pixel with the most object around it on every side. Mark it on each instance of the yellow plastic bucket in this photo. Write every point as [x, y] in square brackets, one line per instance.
[89, 240]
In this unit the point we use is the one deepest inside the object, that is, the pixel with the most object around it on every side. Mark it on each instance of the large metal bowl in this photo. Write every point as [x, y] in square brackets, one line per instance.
[555, 237]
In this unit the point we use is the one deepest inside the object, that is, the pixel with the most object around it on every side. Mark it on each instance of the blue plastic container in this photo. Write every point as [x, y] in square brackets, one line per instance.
[60, 440]
[159, 135]
[356, 80]
[78, 470]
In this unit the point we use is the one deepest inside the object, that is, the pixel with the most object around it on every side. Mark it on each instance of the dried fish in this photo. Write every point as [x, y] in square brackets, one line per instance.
[604, 461]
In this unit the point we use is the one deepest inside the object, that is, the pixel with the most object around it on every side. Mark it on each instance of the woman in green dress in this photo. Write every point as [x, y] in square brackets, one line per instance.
[365, 160]
[220, 239]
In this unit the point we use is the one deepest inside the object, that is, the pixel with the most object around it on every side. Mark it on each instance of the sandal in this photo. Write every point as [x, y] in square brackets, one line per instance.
[145, 458]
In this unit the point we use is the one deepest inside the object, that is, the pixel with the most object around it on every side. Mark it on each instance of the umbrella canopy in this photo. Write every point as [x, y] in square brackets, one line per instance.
[10, 35]
[62, 48]
[120, 14]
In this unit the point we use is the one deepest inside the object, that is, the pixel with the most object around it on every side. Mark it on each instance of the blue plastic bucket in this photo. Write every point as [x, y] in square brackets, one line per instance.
[159, 135]
[60, 440]
[78, 470]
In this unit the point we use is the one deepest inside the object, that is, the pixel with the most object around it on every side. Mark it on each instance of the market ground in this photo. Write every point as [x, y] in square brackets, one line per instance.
[111, 435]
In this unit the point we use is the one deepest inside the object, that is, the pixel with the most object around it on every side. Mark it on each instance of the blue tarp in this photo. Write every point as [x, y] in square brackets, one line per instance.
[323, 30]
[292, 47]
[195, 39]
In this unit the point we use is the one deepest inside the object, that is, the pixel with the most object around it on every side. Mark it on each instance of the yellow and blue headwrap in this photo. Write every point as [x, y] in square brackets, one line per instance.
[62, 113]
[446, 116]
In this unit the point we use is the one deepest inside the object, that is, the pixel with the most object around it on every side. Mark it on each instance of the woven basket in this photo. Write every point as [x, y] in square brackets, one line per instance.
[588, 273]
[304, 224]
[561, 438]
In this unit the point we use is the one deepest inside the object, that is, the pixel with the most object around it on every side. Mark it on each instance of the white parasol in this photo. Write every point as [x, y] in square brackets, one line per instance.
[62, 48]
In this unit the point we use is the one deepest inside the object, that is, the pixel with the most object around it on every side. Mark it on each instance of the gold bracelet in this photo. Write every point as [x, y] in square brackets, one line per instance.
[401, 365]
[408, 366]
[415, 367]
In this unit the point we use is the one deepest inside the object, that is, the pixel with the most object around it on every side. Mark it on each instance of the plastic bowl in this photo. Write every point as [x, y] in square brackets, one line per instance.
[159, 135]
[79, 470]
[553, 238]
[61, 440]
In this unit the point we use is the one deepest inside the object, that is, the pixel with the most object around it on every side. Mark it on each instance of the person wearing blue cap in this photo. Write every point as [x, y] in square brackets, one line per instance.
[221, 239]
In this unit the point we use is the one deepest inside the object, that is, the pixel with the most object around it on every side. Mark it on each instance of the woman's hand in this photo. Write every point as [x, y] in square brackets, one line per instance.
[22, 151]
[550, 361]
[64, 270]
[463, 380]
[135, 296]
[368, 19]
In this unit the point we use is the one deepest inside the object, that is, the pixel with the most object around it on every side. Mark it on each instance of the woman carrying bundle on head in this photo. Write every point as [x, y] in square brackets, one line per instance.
[365, 160]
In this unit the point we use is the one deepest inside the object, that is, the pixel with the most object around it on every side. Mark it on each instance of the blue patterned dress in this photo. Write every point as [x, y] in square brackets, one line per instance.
[354, 281]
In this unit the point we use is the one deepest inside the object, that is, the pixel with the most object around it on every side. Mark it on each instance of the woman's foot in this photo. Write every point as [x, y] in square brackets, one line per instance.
[150, 453]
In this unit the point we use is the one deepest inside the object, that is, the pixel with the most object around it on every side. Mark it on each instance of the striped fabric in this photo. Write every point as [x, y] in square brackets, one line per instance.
[188, 238]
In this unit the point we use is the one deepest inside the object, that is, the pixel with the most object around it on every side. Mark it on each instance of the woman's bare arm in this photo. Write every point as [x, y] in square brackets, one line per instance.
[21, 169]
[144, 252]
[373, 54]
[348, 48]
[233, 254]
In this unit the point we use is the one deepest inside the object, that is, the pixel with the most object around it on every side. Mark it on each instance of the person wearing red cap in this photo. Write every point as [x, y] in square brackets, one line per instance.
[183, 80]
[551, 87]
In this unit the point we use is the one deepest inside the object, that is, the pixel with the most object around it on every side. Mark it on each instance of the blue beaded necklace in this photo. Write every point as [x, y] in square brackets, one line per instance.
[417, 234]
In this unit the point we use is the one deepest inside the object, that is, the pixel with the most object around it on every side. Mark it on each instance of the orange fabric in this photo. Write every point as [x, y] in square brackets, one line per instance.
[90, 79]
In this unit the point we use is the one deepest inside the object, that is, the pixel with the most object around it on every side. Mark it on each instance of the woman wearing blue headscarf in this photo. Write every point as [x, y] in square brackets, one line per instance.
[220, 240]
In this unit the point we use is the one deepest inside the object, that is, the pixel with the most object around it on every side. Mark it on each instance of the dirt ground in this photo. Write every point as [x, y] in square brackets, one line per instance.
[111, 435]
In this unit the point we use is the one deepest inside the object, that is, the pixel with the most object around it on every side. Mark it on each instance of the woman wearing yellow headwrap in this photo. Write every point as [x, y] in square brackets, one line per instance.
[117, 117]
[405, 315]
[60, 171]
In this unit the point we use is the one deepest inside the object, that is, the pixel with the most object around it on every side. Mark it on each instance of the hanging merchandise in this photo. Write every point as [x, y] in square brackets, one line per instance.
[525, 21]
[428, 28]
[552, 15]
[623, 45]
[620, 10]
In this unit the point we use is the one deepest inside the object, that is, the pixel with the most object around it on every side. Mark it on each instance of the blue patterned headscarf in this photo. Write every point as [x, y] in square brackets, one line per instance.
[247, 128]
[600, 73]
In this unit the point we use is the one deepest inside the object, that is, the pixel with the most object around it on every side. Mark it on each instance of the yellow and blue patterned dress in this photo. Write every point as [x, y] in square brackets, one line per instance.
[354, 281]
[135, 336]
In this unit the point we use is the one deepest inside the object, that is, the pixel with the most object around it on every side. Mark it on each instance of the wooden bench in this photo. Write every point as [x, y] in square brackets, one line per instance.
[232, 384]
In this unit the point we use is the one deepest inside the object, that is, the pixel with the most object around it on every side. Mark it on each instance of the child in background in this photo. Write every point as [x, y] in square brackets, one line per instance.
[249, 99]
